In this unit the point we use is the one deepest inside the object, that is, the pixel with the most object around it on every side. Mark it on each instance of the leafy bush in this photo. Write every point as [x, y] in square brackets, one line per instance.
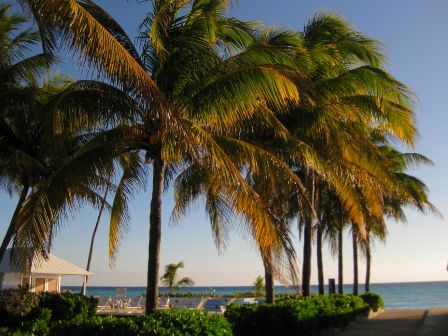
[96, 326]
[295, 316]
[66, 306]
[15, 305]
[159, 323]
[285, 297]
[40, 325]
[184, 323]
[374, 301]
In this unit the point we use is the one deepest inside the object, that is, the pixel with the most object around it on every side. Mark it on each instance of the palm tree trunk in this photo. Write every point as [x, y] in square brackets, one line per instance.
[355, 260]
[12, 225]
[268, 282]
[155, 231]
[320, 264]
[306, 269]
[340, 260]
[368, 263]
[307, 245]
[50, 238]
[92, 240]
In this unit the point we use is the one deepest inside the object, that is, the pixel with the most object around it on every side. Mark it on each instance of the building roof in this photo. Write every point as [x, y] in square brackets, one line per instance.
[52, 265]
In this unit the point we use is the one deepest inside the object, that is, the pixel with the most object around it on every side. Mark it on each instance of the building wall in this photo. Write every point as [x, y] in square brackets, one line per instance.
[9, 280]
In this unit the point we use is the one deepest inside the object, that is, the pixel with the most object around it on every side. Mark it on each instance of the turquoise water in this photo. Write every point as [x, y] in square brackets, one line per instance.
[395, 295]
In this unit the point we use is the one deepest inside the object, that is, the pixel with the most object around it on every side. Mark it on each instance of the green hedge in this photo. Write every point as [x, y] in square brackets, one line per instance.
[374, 301]
[66, 306]
[294, 316]
[160, 323]
[25, 313]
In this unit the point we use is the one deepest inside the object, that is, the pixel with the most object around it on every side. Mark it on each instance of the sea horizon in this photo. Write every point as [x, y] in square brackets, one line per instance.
[396, 295]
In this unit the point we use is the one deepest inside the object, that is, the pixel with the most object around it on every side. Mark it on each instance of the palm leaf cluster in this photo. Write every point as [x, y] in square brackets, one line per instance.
[265, 125]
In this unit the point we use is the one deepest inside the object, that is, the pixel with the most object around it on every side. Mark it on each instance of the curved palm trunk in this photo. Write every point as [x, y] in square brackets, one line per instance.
[155, 231]
[50, 239]
[306, 269]
[320, 264]
[355, 261]
[340, 260]
[368, 263]
[89, 259]
[12, 224]
[268, 282]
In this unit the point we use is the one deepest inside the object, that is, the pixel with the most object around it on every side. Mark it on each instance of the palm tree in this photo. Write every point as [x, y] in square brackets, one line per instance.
[169, 278]
[355, 235]
[199, 75]
[15, 72]
[259, 286]
[336, 108]
[409, 191]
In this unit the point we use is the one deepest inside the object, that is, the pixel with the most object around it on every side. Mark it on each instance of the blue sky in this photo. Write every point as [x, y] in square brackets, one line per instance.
[415, 33]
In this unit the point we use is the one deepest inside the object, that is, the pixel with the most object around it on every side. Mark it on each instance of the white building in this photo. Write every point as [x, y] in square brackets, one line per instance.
[44, 275]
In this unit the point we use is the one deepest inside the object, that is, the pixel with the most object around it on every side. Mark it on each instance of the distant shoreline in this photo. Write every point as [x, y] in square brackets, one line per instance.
[230, 286]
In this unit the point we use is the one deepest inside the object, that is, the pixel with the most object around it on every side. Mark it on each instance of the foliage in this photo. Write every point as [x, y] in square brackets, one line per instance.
[97, 325]
[285, 297]
[66, 306]
[160, 322]
[169, 278]
[374, 301]
[294, 316]
[259, 286]
[15, 304]
[40, 326]
[184, 323]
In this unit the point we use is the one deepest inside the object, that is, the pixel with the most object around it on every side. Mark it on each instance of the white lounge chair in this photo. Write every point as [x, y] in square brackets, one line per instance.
[163, 303]
[135, 304]
[217, 305]
[185, 302]
[104, 303]
[245, 300]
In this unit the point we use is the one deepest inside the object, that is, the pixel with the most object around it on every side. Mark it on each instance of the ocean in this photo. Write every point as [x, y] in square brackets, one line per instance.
[395, 295]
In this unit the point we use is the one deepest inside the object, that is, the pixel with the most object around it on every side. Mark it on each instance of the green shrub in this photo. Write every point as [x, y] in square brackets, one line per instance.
[15, 305]
[159, 323]
[295, 316]
[39, 326]
[96, 326]
[374, 301]
[285, 297]
[66, 306]
[184, 323]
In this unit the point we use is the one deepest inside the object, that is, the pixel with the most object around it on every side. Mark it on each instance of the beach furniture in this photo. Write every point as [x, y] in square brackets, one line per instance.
[135, 304]
[246, 300]
[217, 305]
[185, 302]
[104, 303]
[163, 303]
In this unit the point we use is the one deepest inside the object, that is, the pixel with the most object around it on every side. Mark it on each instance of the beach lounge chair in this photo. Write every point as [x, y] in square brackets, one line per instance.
[104, 303]
[245, 300]
[217, 305]
[185, 302]
[163, 303]
[135, 304]
[121, 303]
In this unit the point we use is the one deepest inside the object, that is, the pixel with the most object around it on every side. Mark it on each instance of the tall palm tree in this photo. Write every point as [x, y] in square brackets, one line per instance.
[339, 100]
[169, 278]
[259, 286]
[16, 71]
[409, 191]
[199, 74]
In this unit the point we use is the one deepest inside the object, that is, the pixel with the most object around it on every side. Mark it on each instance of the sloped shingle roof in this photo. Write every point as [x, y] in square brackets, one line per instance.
[52, 265]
